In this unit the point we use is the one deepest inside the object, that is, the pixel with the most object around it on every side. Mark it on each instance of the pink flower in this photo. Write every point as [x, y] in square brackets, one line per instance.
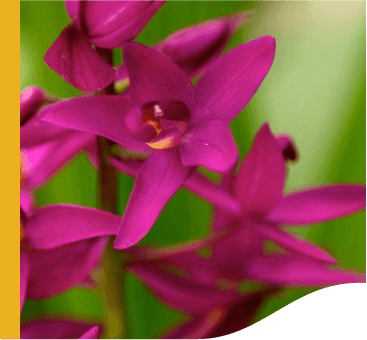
[105, 24]
[188, 126]
[234, 254]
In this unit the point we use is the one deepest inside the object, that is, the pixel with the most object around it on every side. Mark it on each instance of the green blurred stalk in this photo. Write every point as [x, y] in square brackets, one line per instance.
[112, 280]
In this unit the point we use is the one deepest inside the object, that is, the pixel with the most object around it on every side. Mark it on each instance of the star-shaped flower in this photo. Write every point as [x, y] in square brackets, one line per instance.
[187, 126]
[232, 263]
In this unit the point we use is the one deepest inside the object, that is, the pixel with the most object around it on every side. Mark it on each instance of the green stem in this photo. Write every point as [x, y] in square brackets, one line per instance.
[112, 281]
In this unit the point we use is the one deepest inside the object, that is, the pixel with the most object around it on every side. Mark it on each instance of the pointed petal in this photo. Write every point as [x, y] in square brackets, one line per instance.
[92, 333]
[72, 8]
[155, 78]
[100, 115]
[319, 204]
[55, 225]
[161, 175]
[293, 244]
[27, 200]
[45, 160]
[56, 270]
[54, 329]
[24, 270]
[36, 132]
[195, 183]
[181, 292]
[121, 21]
[72, 56]
[239, 316]
[199, 327]
[229, 84]
[209, 144]
[213, 193]
[296, 271]
[219, 321]
[31, 100]
[260, 181]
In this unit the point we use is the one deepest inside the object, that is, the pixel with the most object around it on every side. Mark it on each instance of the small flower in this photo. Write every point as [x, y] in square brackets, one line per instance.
[188, 126]
[105, 24]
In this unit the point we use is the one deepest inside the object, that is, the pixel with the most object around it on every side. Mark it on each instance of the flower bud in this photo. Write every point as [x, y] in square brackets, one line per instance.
[109, 24]
[192, 48]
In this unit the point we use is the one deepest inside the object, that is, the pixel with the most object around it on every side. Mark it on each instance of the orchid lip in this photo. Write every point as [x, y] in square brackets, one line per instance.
[159, 124]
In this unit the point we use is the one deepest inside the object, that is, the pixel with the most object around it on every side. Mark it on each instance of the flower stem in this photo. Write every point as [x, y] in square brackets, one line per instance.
[112, 280]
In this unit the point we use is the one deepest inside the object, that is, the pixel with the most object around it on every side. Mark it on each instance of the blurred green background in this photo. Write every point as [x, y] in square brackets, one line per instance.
[315, 91]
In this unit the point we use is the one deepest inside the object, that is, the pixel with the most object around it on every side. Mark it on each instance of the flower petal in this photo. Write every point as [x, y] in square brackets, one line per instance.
[31, 99]
[229, 84]
[100, 115]
[72, 56]
[111, 24]
[209, 144]
[195, 183]
[260, 181]
[24, 270]
[319, 205]
[43, 161]
[199, 327]
[56, 270]
[27, 200]
[55, 225]
[155, 78]
[293, 244]
[36, 132]
[72, 8]
[161, 175]
[296, 271]
[181, 292]
[239, 316]
[220, 321]
[211, 192]
[55, 329]
[92, 333]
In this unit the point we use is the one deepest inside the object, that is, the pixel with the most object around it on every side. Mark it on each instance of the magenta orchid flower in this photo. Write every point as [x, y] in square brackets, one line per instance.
[259, 187]
[187, 126]
[196, 47]
[60, 245]
[234, 255]
[58, 329]
[105, 24]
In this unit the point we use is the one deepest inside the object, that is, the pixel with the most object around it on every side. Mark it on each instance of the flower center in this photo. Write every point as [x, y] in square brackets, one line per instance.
[160, 124]
[169, 118]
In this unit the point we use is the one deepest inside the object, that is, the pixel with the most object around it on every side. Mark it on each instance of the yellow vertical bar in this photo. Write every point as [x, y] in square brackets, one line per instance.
[9, 171]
